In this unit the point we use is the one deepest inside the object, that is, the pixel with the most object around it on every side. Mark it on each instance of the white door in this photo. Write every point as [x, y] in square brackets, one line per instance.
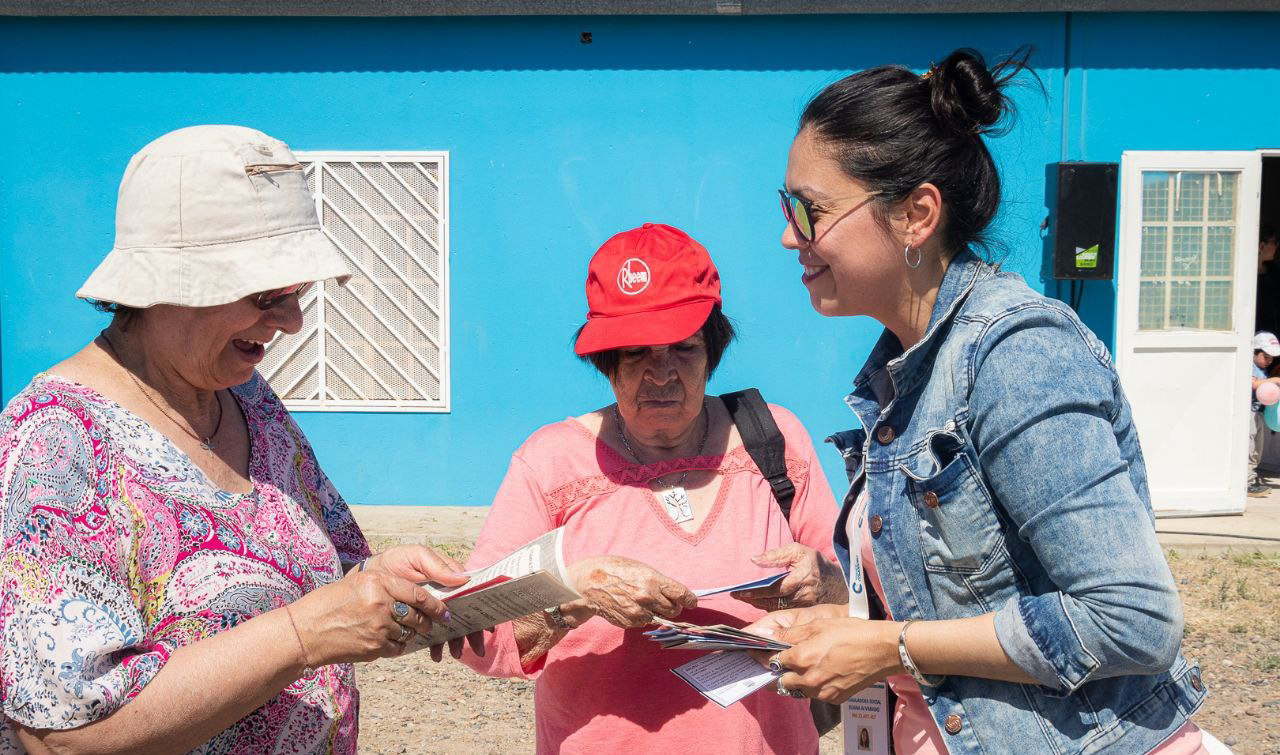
[1186, 276]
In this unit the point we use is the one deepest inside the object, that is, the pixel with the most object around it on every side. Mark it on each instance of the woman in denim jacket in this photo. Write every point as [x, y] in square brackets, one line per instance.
[999, 499]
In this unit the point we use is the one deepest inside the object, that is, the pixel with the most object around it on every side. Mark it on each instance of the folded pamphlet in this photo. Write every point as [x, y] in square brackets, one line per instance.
[752, 585]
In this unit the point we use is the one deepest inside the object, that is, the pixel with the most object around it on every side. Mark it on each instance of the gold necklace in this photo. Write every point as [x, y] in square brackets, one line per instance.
[207, 442]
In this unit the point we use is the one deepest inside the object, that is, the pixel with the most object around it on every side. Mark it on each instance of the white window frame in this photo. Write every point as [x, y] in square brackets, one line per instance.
[433, 406]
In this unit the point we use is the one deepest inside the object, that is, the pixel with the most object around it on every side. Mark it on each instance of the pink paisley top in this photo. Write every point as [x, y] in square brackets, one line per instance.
[116, 550]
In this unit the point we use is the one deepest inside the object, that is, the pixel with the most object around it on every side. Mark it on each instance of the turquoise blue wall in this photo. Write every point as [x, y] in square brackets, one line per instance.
[556, 145]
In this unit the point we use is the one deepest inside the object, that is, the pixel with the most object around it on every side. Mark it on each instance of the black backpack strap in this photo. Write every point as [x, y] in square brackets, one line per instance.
[763, 441]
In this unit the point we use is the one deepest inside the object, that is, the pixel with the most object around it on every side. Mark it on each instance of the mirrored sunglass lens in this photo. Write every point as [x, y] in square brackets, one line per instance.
[801, 216]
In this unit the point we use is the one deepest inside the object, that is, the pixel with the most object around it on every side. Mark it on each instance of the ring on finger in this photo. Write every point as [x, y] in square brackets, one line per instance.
[405, 634]
[399, 611]
[782, 603]
[781, 690]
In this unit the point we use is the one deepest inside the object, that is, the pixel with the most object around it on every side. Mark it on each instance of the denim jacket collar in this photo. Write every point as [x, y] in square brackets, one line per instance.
[889, 371]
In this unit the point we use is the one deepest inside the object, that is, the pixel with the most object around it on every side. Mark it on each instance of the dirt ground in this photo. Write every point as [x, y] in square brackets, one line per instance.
[1232, 603]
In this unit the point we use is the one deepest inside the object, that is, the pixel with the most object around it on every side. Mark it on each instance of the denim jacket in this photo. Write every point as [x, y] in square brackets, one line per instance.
[1004, 475]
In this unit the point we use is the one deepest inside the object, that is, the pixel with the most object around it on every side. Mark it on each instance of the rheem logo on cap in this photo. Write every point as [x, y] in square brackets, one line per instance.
[633, 276]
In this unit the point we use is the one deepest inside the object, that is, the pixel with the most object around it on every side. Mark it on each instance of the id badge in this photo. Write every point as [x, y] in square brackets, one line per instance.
[866, 721]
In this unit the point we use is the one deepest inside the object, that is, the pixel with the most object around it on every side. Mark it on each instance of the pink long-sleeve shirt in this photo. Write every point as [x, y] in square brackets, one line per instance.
[604, 689]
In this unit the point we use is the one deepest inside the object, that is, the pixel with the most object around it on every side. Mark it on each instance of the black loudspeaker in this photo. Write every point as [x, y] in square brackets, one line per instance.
[1081, 198]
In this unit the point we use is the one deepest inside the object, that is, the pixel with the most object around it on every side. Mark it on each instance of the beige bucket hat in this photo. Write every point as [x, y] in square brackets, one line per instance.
[209, 214]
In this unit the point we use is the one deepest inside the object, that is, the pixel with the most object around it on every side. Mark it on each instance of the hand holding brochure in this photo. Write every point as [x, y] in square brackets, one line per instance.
[723, 677]
[527, 580]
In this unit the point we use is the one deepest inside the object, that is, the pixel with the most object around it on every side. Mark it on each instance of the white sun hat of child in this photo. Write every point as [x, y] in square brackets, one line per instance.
[207, 215]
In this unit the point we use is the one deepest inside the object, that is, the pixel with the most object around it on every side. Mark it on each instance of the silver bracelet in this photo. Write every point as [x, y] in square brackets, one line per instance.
[909, 664]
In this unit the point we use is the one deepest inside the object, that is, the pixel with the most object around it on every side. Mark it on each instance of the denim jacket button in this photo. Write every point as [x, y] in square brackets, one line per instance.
[885, 435]
[953, 724]
[876, 524]
[931, 499]
[1196, 684]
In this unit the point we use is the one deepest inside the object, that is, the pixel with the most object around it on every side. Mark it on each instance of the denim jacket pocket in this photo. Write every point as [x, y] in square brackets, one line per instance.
[959, 529]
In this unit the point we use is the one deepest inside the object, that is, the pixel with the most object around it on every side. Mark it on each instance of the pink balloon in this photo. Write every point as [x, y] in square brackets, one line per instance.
[1268, 394]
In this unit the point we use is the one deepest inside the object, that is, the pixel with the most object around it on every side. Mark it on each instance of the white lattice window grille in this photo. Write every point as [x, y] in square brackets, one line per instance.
[380, 343]
[1189, 222]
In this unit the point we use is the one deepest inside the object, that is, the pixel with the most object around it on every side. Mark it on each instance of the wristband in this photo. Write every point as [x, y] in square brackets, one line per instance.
[307, 668]
[556, 617]
[909, 664]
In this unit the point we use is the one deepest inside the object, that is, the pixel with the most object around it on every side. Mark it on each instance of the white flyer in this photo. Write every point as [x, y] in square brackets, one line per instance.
[726, 676]
[525, 581]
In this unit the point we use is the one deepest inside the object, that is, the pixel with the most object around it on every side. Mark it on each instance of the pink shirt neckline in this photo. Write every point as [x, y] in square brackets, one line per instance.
[663, 468]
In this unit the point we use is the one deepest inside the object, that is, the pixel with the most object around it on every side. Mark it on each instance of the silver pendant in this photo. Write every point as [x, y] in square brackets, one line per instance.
[207, 444]
[676, 502]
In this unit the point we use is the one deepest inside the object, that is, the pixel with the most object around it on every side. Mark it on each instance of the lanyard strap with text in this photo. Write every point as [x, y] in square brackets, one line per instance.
[865, 715]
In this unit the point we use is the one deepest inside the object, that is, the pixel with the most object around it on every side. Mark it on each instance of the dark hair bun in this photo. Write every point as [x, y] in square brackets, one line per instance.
[893, 129]
[967, 97]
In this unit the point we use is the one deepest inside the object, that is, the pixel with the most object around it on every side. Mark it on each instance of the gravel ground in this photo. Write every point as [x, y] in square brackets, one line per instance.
[411, 705]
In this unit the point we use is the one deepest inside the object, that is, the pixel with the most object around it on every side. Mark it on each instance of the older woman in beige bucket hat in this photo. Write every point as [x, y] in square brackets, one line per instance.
[176, 572]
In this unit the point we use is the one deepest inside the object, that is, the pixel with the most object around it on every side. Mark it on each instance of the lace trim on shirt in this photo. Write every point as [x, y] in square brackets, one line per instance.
[737, 461]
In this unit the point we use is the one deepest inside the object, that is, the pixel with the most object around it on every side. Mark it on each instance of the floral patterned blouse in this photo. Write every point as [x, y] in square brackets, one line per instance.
[117, 550]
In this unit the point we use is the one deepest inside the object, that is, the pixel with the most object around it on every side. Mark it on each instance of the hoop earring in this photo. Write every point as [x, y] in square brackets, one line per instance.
[906, 252]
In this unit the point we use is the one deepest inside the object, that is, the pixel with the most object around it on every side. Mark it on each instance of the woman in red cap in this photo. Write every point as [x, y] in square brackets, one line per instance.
[657, 497]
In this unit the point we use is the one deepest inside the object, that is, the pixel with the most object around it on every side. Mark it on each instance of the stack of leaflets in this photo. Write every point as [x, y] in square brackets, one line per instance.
[674, 634]
[727, 675]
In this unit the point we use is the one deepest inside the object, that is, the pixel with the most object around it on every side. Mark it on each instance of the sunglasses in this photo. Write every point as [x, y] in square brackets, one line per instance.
[799, 212]
[268, 299]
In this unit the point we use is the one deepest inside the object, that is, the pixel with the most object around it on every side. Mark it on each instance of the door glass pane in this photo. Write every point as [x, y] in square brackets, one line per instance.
[1184, 305]
[1219, 251]
[1217, 305]
[1155, 196]
[1222, 197]
[1155, 242]
[1189, 202]
[1151, 305]
[1188, 250]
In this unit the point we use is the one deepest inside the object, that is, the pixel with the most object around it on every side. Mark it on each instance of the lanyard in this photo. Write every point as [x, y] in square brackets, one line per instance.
[865, 715]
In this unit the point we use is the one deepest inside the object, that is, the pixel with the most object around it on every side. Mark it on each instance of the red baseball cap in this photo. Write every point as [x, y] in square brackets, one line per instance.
[645, 287]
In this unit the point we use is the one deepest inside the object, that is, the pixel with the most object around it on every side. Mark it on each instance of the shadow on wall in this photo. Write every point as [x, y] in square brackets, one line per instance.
[753, 43]
[450, 44]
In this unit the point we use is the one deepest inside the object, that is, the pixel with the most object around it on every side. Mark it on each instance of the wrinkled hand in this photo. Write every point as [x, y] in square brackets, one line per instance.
[350, 620]
[417, 564]
[627, 593]
[831, 659]
[813, 580]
